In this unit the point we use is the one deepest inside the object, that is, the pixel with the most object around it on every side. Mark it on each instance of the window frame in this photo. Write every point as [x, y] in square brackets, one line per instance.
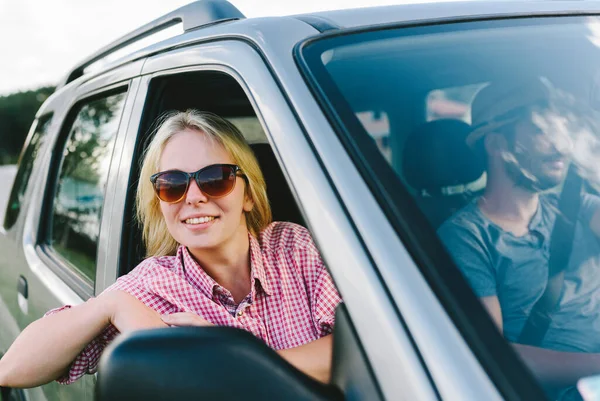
[46, 118]
[504, 368]
[66, 270]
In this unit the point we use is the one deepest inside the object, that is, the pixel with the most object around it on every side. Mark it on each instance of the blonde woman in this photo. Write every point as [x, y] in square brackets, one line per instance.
[215, 258]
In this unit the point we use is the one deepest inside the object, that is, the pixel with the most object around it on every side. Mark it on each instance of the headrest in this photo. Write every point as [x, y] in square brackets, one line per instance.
[283, 204]
[436, 156]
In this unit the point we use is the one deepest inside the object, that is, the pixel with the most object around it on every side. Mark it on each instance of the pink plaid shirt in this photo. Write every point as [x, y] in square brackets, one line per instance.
[291, 303]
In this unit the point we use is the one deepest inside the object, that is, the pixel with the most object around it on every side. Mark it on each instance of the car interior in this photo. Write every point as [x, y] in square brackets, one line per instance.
[439, 166]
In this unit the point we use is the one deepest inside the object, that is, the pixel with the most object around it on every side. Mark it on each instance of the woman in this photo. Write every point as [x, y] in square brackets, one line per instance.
[214, 260]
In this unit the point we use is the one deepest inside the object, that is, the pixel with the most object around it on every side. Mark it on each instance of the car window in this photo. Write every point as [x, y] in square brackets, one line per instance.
[377, 125]
[80, 188]
[29, 155]
[501, 156]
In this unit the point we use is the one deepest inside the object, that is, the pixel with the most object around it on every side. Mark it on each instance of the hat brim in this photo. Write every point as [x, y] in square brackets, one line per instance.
[481, 130]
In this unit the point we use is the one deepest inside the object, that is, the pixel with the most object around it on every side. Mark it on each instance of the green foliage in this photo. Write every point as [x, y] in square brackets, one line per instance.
[17, 112]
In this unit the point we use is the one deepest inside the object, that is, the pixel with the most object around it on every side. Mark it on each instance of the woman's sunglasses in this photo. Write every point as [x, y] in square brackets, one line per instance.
[216, 180]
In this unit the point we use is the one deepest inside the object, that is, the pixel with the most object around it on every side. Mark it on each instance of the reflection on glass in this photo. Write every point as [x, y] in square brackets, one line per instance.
[377, 124]
[81, 184]
[451, 102]
[32, 148]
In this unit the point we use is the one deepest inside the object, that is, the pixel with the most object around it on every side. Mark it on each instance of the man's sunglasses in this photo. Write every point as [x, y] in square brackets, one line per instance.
[216, 180]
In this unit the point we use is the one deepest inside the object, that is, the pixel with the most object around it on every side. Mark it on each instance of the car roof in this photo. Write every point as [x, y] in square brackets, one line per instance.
[350, 19]
[354, 18]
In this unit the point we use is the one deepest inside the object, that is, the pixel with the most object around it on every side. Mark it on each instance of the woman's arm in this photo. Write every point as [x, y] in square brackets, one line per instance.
[313, 358]
[45, 350]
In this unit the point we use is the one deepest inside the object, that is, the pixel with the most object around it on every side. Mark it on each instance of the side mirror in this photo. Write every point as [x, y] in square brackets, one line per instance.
[209, 363]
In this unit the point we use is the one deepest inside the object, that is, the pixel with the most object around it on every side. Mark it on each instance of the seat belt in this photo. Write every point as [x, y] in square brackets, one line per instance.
[561, 246]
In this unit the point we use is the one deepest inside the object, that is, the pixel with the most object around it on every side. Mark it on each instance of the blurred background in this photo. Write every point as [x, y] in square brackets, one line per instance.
[42, 40]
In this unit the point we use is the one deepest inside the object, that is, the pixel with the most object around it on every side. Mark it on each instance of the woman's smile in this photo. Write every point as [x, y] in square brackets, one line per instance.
[199, 223]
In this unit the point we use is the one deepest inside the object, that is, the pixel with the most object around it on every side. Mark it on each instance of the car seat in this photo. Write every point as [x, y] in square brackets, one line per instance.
[283, 203]
[443, 171]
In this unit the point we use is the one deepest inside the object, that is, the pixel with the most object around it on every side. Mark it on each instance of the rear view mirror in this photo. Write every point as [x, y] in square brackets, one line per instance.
[209, 363]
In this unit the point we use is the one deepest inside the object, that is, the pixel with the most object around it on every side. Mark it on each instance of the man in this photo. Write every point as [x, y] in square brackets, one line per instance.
[501, 240]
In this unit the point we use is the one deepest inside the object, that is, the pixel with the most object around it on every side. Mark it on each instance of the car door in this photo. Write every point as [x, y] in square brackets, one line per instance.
[55, 225]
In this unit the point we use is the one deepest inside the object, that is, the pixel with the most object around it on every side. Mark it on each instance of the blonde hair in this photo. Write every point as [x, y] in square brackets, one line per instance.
[157, 238]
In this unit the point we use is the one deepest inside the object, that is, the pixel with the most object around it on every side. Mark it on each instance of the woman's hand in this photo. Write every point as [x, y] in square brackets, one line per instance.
[127, 313]
[185, 319]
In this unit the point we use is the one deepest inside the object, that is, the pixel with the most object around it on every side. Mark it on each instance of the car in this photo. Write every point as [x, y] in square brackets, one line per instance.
[333, 105]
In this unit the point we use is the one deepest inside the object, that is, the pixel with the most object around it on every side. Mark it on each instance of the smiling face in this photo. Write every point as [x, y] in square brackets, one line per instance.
[199, 221]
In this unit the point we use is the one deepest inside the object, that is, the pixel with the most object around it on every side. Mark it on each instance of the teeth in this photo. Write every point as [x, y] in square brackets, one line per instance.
[199, 220]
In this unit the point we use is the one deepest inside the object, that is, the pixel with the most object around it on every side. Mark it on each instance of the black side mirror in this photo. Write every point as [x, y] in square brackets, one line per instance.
[207, 363]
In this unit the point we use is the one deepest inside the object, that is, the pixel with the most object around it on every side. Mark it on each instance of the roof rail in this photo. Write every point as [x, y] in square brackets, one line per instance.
[193, 15]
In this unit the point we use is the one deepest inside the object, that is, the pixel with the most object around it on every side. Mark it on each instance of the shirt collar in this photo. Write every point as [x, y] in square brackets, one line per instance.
[196, 274]
[536, 220]
[537, 223]
[207, 284]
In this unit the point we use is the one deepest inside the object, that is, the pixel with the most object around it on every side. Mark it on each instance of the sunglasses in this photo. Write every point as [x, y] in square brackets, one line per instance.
[216, 180]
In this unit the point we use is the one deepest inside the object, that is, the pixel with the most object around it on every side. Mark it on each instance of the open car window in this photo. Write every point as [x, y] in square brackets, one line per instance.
[484, 122]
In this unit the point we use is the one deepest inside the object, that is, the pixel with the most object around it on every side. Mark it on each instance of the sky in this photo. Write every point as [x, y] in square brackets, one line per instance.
[41, 40]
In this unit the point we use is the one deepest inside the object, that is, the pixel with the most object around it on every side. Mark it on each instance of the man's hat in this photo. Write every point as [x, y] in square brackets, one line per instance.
[499, 104]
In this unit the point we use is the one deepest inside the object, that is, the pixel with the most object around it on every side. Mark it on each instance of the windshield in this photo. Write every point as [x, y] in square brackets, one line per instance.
[493, 128]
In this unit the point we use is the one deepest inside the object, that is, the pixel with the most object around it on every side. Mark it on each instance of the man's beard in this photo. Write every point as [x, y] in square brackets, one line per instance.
[523, 174]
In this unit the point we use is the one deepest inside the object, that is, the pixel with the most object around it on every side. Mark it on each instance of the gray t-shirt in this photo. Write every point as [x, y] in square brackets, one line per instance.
[515, 269]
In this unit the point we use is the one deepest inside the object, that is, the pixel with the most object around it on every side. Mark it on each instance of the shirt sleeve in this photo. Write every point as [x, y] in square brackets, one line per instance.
[87, 361]
[323, 295]
[467, 248]
[325, 301]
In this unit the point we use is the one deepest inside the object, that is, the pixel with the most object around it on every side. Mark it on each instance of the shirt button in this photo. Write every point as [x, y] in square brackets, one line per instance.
[240, 313]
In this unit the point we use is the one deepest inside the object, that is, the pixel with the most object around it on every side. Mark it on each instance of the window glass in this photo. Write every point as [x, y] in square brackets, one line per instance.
[454, 103]
[496, 135]
[21, 181]
[377, 125]
[77, 207]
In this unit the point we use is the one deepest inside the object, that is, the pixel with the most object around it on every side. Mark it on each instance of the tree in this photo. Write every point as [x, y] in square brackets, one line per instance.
[17, 112]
